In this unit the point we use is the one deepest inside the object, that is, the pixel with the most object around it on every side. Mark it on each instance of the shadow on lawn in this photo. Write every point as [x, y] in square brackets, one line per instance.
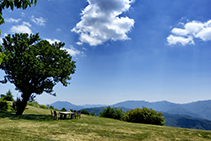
[13, 116]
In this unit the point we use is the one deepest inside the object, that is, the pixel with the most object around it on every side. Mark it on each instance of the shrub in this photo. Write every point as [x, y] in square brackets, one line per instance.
[3, 106]
[51, 107]
[43, 106]
[92, 113]
[8, 96]
[34, 103]
[63, 109]
[85, 112]
[114, 113]
[144, 115]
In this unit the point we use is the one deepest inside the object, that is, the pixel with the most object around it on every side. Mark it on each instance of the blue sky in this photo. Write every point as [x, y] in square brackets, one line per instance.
[124, 49]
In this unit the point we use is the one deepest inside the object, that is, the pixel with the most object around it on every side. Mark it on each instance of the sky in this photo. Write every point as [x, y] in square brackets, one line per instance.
[124, 49]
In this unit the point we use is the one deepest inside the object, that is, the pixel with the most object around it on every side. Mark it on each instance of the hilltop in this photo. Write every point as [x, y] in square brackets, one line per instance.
[36, 124]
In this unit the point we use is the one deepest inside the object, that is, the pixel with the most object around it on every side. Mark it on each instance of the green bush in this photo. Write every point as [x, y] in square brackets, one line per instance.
[63, 109]
[144, 115]
[34, 103]
[114, 113]
[92, 113]
[43, 106]
[8, 96]
[51, 107]
[3, 106]
[85, 112]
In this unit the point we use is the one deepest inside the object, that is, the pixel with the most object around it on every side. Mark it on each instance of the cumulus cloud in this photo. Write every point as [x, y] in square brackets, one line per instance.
[189, 32]
[101, 21]
[12, 20]
[39, 21]
[72, 51]
[24, 28]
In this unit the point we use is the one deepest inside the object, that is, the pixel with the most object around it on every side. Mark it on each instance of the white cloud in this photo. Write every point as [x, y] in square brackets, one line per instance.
[172, 39]
[100, 22]
[191, 30]
[39, 21]
[72, 51]
[53, 41]
[24, 28]
[11, 20]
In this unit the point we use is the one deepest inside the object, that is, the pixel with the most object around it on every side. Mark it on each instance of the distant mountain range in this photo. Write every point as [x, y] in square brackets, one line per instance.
[67, 105]
[199, 109]
[196, 115]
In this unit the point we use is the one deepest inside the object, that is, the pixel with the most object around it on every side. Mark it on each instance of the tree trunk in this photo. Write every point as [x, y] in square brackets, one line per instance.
[21, 104]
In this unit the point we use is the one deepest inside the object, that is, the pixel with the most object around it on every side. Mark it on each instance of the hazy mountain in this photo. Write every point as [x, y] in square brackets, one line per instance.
[202, 108]
[67, 105]
[91, 106]
[64, 104]
[199, 109]
[184, 121]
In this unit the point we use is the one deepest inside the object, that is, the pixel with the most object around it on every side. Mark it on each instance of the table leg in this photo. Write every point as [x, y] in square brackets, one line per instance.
[65, 116]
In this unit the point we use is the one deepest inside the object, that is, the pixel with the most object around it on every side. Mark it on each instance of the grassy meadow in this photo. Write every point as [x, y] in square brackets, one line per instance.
[36, 124]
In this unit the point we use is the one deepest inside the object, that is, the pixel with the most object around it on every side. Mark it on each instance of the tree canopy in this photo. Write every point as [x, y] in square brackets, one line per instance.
[34, 66]
[14, 3]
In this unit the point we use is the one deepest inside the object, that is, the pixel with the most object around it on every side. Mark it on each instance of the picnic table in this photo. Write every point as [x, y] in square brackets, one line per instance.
[63, 115]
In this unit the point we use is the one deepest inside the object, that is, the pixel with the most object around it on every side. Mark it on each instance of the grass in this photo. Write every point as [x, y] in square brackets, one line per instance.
[36, 124]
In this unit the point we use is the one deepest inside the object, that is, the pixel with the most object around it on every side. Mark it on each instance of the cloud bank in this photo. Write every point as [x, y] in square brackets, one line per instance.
[190, 31]
[101, 21]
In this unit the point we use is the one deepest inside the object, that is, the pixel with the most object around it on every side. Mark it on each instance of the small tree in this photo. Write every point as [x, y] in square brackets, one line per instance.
[63, 109]
[114, 113]
[34, 66]
[144, 115]
[9, 96]
[85, 112]
[92, 113]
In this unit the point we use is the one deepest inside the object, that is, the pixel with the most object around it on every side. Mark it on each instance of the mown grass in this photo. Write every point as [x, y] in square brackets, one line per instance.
[36, 124]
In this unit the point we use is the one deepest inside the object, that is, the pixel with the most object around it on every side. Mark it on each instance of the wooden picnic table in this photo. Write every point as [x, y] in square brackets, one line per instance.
[63, 115]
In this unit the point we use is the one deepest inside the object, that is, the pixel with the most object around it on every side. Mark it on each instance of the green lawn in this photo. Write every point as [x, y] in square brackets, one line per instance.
[36, 124]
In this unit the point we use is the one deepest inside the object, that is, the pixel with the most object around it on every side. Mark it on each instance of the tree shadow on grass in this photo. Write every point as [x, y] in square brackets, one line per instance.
[35, 117]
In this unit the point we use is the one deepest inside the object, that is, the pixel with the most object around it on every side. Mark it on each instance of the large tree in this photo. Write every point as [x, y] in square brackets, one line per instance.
[13, 4]
[34, 66]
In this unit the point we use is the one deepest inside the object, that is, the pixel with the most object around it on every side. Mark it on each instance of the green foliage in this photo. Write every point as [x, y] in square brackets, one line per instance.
[51, 107]
[35, 66]
[92, 113]
[2, 97]
[114, 113]
[144, 115]
[34, 103]
[2, 55]
[20, 4]
[8, 96]
[43, 106]
[3, 106]
[85, 112]
[63, 109]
